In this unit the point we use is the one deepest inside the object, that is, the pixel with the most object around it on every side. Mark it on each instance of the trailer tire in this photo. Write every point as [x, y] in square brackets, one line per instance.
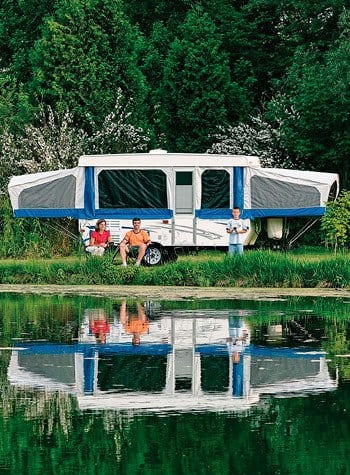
[153, 256]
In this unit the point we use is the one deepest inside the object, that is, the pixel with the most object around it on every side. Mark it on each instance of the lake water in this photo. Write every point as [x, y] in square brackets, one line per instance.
[103, 386]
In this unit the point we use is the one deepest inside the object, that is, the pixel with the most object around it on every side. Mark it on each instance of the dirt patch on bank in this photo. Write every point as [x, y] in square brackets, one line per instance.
[173, 293]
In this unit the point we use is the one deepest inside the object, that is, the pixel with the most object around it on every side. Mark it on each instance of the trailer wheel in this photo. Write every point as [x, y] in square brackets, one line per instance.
[153, 256]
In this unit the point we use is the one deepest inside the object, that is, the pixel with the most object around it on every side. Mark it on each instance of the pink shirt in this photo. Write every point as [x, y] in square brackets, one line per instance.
[100, 238]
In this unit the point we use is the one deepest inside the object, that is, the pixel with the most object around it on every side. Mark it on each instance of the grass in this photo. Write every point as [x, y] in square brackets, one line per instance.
[299, 268]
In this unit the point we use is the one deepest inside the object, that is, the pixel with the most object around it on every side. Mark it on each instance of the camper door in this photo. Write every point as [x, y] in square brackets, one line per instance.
[183, 225]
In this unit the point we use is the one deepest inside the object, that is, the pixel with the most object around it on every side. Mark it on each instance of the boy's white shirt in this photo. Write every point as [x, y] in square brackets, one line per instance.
[239, 224]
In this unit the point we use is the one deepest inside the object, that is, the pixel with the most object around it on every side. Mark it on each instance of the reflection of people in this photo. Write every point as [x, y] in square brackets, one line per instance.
[236, 347]
[137, 239]
[100, 238]
[237, 342]
[236, 228]
[239, 338]
[98, 325]
[134, 324]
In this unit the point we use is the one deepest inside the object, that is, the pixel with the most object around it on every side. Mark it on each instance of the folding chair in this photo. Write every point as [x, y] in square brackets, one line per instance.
[152, 257]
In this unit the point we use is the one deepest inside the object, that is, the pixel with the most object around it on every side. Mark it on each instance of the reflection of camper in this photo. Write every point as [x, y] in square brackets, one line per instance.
[186, 364]
[184, 200]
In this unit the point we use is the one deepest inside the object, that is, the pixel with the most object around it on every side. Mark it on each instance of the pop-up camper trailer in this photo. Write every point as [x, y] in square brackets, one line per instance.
[184, 200]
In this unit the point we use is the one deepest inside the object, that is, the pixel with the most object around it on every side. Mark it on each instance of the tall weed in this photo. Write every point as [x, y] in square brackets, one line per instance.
[32, 237]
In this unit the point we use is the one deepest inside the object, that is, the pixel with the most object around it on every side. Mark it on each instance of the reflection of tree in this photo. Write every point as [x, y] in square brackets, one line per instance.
[46, 433]
[301, 434]
[54, 318]
[283, 436]
[338, 343]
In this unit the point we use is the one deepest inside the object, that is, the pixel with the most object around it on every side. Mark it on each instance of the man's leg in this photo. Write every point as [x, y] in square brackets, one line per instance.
[141, 253]
[123, 250]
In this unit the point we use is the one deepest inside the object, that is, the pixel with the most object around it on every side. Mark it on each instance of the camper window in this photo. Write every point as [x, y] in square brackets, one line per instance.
[268, 193]
[125, 189]
[184, 193]
[215, 189]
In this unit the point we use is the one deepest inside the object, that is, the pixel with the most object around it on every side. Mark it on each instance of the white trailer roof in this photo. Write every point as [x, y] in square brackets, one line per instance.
[160, 158]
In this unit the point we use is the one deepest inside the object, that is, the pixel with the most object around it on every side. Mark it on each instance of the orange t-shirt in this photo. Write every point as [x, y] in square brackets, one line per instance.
[135, 325]
[136, 239]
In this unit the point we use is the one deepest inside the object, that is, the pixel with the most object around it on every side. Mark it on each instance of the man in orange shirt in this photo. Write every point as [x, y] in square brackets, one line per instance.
[134, 324]
[138, 239]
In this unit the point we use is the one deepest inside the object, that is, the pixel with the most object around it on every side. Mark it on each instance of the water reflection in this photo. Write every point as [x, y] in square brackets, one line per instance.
[143, 358]
[98, 326]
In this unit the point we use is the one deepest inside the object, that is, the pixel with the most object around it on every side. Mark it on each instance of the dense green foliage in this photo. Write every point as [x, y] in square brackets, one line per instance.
[336, 221]
[184, 69]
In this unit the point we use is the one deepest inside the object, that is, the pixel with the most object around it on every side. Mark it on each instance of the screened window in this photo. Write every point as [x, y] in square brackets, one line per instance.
[58, 193]
[132, 189]
[215, 189]
[267, 193]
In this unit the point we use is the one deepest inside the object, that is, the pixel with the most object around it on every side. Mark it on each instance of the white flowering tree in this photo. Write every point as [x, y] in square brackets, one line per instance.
[118, 134]
[54, 142]
[258, 138]
[51, 144]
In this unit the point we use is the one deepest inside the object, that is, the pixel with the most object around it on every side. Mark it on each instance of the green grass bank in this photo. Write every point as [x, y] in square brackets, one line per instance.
[300, 269]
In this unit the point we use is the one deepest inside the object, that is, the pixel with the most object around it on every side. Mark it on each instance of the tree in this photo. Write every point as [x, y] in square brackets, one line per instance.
[148, 12]
[336, 222]
[20, 24]
[87, 52]
[196, 90]
[154, 54]
[314, 110]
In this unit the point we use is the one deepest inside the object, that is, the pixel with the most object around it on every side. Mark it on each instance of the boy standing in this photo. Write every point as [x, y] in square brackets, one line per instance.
[236, 228]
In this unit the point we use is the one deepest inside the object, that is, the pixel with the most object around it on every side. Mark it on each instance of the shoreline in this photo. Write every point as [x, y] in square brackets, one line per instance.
[174, 292]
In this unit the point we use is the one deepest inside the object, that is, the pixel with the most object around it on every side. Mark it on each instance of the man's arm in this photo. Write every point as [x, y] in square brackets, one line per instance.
[122, 313]
[245, 227]
[146, 238]
[125, 240]
[141, 313]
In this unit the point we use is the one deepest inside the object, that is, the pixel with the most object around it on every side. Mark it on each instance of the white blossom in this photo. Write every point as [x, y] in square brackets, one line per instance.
[259, 139]
[54, 142]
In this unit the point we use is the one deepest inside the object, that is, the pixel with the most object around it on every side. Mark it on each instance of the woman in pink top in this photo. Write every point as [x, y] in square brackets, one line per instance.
[100, 238]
